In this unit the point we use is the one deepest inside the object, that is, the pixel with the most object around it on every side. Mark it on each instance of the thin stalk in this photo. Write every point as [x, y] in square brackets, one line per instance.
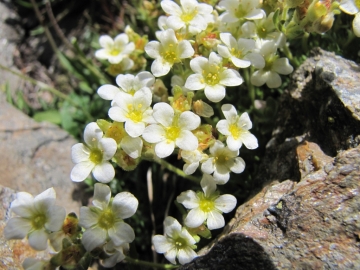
[47, 88]
[150, 264]
[174, 169]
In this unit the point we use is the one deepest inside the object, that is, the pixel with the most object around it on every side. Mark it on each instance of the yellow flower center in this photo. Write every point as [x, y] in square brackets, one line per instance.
[237, 53]
[357, 3]
[172, 133]
[114, 51]
[269, 61]
[206, 205]
[106, 219]
[221, 159]
[211, 75]
[170, 54]
[180, 242]
[187, 17]
[38, 221]
[234, 130]
[135, 113]
[96, 156]
[240, 13]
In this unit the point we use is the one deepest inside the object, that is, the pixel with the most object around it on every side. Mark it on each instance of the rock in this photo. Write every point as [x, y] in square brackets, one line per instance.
[307, 214]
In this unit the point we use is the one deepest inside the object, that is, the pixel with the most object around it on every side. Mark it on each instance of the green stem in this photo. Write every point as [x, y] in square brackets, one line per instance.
[250, 86]
[47, 88]
[173, 169]
[150, 264]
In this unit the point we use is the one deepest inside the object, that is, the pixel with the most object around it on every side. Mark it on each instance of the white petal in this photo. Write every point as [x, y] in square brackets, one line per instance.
[81, 171]
[356, 24]
[188, 120]
[121, 233]
[164, 148]
[208, 185]
[225, 203]
[186, 255]
[154, 134]
[349, 7]
[195, 82]
[198, 64]
[171, 7]
[238, 166]
[106, 41]
[259, 77]
[56, 216]
[117, 113]
[170, 255]
[256, 60]
[79, 153]
[108, 91]
[274, 80]
[124, 205]
[92, 134]
[160, 68]
[161, 244]
[229, 111]
[282, 66]
[233, 144]
[215, 93]
[224, 51]
[93, 237]
[249, 140]
[185, 49]
[38, 239]
[104, 172]
[102, 196]
[108, 147]
[207, 166]
[171, 226]
[88, 217]
[17, 228]
[187, 141]
[221, 178]
[134, 129]
[215, 221]
[195, 218]
[255, 14]
[23, 204]
[132, 146]
[240, 63]
[190, 168]
[230, 77]
[152, 49]
[163, 113]
[188, 199]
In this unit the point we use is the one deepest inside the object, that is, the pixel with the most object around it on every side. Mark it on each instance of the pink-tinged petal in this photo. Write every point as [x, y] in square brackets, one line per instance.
[164, 148]
[102, 196]
[93, 237]
[38, 239]
[132, 146]
[215, 220]
[104, 172]
[88, 217]
[186, 255]
[171, 226]
[171, 7]
[92, 134]
[188, 120]
[108, 91]
[195, 218]
[170, 255]
[238, 166]
[274, 80]
[81, 171]
[225, 203]
[121, 233]
[134, 129]
[163, 113]
[106, 42]
[79, 153]
[215, 93]
[230, 77]
[124, 205]
[249, 140]
[108, 147]
[154, 133]
[188, 199]
[198, 64]
[187, 141]
[208, 166]
[185, 49]
[152, 49]
[56, 216]
[161, 244]
[160, 68]
[17, 228]
[208, 185]
[195, 82]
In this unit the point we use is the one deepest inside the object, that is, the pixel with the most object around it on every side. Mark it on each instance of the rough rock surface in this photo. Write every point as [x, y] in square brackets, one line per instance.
[307, 215]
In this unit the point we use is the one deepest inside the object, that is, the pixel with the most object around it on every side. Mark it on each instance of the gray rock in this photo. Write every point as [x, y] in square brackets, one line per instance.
[307, 214]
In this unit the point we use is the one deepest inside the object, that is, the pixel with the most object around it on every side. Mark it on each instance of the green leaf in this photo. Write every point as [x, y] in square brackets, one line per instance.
[52, 116]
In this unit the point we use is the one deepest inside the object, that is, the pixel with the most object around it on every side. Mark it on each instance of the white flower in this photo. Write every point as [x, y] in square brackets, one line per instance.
[352, 7]
[221, 161]
[207, 205]
[34, 264]
[115, 253]
[37, 218]
[211, 76]
[193, 15]
[192, 160]
[172, 129]
[274, 66]
[134, 110]
[239, 52]
[240, 9]
[177, 80]
[127, 83]
[104, 221]
[93, 156]
[236, 129]
[177, 242]
[167, 52]
[115, 50]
